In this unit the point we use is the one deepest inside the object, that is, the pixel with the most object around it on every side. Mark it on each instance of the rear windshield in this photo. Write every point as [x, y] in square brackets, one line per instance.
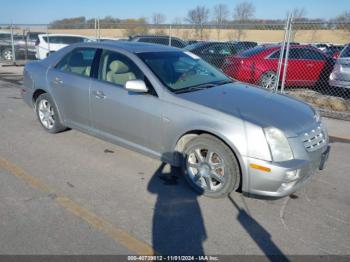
[253, 51]
[64, 39]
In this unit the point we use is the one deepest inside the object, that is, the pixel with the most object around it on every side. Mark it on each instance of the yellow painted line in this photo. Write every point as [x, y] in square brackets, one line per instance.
[20, 173]
[120, 236]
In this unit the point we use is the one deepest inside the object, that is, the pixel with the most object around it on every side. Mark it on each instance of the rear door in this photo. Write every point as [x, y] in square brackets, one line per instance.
[70, 82]
[318, 66]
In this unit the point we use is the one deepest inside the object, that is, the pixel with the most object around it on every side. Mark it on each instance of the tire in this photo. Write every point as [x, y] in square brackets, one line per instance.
[268, 80]
[214, 176]
[47, 114]
[6, 54]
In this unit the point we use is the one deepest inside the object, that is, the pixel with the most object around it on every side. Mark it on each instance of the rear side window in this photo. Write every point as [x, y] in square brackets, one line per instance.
[253, 51]
[67, 40]
[78, 61]
[177, 43]
[312, 55]
[155, 40]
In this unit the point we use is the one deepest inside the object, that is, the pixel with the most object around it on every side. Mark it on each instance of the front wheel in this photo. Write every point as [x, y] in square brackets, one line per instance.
[210, 167]
[48, 115]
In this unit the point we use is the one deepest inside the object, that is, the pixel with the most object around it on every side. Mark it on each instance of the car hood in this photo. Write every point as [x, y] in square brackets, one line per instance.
[257, 106]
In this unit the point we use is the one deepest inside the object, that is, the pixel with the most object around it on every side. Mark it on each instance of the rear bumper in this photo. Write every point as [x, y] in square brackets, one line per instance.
[27, 95]
[284, 178]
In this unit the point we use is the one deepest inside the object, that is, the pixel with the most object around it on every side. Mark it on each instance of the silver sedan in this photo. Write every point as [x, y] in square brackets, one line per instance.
[169, 104]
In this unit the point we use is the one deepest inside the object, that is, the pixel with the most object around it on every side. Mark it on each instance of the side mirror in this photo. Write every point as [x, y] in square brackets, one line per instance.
[137, 86]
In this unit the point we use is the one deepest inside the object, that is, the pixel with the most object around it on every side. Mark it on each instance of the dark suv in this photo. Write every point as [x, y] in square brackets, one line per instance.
[159, 39]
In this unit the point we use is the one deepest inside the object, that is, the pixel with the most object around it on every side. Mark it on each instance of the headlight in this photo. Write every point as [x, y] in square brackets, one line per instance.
[278, 143]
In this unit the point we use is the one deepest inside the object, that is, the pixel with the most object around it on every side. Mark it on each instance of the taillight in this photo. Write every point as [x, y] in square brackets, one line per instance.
[37, 42]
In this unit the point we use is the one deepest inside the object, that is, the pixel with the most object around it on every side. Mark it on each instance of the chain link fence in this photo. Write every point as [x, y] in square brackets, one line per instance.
[309, 61]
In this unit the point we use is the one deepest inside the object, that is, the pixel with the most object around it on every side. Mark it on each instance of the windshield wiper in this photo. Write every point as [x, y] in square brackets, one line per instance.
[203, 86]
[222, 82]
[195, 88]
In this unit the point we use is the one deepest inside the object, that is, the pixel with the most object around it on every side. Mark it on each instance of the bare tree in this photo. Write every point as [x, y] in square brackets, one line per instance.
[299, 15]
[220, 17]
[158, 18]
[343, 21]
[177, 25]
[242, 13]
[198, 17]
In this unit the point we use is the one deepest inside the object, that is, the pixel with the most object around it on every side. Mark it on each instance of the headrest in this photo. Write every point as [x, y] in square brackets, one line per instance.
[77, 59]
[118, 67]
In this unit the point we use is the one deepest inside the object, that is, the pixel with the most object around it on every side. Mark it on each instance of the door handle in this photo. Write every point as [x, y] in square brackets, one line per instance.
[310, 65]
[57, 81]
[99, 94]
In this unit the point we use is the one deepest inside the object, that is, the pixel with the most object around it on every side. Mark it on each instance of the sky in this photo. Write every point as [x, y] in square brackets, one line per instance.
[45, 11]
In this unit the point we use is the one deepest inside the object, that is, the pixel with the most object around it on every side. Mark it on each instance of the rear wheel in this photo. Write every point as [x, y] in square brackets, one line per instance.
[48, 115]
[268, 80]
[7, 54]
[210, 167]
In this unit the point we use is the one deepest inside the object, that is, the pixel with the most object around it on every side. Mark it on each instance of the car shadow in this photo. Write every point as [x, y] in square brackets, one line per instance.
[178, 225]
[259, 234]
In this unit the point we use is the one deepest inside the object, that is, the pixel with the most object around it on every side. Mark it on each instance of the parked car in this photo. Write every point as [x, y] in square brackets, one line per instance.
[6, 52]
[170, 104]
[159, 39]
[216, 52]
[334, 51]
[27, 42]
[340, 76]
[321, 46]
[307, 66]
[49, 43]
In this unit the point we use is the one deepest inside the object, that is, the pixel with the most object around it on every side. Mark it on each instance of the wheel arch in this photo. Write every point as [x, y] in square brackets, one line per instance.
[39, 92]
[189, 135]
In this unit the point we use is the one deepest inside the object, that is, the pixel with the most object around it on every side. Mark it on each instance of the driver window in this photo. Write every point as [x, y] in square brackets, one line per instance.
[118, 69]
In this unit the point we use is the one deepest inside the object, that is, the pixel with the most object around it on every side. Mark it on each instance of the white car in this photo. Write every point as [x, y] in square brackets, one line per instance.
[48, 43]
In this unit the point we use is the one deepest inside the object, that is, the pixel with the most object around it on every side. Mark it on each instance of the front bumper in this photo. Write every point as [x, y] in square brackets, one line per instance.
[284, 178]
[339, 83]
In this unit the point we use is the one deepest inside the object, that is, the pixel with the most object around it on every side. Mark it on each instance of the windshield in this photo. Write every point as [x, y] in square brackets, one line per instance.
[180, 71]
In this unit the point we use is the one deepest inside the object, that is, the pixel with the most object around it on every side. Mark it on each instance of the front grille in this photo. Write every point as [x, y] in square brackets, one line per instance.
[315, 138]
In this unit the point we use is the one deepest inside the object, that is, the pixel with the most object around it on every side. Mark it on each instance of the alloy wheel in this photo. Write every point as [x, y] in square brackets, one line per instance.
[46, 114]
[268, 80]
[206, 168]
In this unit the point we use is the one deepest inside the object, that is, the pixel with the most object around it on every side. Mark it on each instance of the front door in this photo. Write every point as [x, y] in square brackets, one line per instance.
[133, 119]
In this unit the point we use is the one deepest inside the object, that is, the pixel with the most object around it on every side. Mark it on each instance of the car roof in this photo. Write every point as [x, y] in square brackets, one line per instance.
[153, 36]
[134, 47]
[43, 35]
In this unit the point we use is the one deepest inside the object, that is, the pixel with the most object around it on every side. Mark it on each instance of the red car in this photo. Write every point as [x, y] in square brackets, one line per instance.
[307, 66]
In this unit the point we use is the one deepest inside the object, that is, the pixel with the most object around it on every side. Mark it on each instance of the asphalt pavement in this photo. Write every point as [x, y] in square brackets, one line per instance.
[71, 193]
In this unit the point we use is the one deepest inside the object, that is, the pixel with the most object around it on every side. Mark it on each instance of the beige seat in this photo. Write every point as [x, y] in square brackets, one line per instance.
[76, 64]
[119, 73]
